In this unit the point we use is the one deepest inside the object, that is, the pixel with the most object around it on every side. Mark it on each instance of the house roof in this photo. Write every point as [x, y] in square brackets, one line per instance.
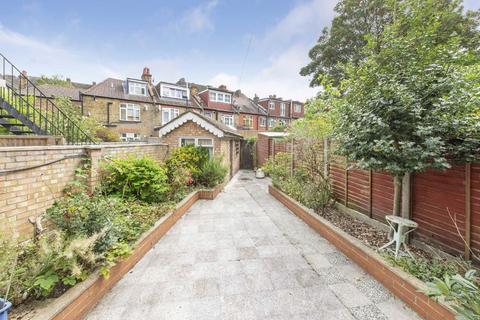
[244, 104]
[51, 90]
[115, 88]
[217, 128]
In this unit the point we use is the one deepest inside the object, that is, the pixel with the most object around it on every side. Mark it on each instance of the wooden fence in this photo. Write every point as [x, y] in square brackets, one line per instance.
[445, 203]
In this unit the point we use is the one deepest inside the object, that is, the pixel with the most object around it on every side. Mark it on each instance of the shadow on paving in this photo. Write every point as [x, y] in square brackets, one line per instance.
[245, 256]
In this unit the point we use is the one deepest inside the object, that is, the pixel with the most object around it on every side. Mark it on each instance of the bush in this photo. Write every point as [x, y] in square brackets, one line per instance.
[213, 172]
[135, 178]
[189, 159]
[308, 188]
[464, 292]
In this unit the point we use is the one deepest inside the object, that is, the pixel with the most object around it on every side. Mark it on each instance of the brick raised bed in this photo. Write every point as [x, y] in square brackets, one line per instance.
[79, 300]
[401, 284]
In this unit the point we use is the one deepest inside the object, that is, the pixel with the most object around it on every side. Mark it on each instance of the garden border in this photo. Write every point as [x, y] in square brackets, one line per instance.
[401, 284]
[82, 298]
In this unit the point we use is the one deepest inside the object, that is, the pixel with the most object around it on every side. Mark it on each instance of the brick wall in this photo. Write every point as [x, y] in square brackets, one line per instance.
[28, 193]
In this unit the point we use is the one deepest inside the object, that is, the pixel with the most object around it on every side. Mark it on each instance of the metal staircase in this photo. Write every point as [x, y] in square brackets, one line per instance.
[25, 110]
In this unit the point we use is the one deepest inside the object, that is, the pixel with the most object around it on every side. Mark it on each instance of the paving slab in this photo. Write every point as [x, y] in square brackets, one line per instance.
[246, 256]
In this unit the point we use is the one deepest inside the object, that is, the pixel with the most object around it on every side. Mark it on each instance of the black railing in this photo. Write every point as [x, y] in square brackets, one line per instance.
[25, 109]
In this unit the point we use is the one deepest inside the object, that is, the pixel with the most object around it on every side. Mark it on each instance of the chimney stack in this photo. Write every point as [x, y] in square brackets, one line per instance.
[222, 87]
[238, 93]
[193, 90]
[256, 98]
[23, 79]
[146, 76]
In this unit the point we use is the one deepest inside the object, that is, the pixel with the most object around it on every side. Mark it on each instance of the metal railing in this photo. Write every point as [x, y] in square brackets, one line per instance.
[25, 109]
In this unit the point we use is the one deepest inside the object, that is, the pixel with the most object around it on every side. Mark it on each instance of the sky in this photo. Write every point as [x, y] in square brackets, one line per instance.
[257, 46]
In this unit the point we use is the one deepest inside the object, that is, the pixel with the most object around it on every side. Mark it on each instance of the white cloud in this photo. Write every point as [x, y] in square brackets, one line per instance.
[294, 34]
[199, 19]
[38, 57]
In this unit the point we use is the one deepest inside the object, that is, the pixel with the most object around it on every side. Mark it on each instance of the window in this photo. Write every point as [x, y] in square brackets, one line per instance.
[208, 114]
[263, 122]
[271, 123]
[220, 97]
[247, 122]
[129, 136]
[174, 92]
[298, 107]
[228, 120]
[168, 114]
[271, 104]
[129, 112]
[282, 109]
[139, 89]
[206, 143]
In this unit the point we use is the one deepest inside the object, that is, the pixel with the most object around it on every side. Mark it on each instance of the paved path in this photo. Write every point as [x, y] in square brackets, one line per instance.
[245, 256]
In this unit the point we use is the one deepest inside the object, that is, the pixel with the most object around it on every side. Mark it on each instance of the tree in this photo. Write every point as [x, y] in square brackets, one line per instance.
[343, 41]
[413, 102]
[360, 21]
[54, 80]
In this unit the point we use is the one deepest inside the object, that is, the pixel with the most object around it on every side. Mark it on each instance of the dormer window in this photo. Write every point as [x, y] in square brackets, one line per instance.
[220, 97]
[175, 92]
[137, 88]
[271, 105]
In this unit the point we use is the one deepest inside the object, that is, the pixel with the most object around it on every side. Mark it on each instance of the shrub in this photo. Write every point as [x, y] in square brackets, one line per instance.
[135, 178]
[187, 158]
[213, 172]
[464, 292]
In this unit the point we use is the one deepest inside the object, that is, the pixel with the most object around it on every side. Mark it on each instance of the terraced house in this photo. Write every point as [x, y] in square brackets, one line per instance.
[133, 108]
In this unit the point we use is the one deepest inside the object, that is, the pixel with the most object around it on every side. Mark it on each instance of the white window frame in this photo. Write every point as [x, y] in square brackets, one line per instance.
[214, 96]
[210, 147]
[166, 91]
[130, 136]
[271, 105]
[271, 123]
[137, 88]
[263, 121]
[134, 108]
[283, 108]
[298, 107]
[172, 114]
[250, 120]
[230, 117]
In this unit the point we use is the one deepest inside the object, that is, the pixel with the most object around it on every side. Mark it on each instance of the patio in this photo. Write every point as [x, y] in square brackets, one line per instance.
[245, 256]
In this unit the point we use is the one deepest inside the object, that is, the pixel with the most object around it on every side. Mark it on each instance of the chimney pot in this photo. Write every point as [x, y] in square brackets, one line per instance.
[146, 76]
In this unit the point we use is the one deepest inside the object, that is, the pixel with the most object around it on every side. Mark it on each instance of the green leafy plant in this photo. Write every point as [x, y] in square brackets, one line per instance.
[187, 158]
[135, 178]
[213, 172]
[463, 291]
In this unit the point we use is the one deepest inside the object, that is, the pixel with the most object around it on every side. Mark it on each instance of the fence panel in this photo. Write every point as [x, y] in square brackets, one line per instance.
[358, 186]
[475, 205]
[433, 192]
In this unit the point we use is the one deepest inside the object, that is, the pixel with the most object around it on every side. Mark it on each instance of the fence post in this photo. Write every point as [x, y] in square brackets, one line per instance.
[346, 182]
[325, 157]
[94, 154]
[468, 210]
[370, 193]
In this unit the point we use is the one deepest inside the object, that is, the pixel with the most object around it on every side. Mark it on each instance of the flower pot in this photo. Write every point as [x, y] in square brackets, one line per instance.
[5, 307]
[260, 174]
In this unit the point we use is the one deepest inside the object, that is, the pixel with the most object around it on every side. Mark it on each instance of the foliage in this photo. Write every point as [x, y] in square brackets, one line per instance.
[56, 80]
[464, 292]
[187, 158]
[343, 41]
[106, 134]
[411, 104]
[213, 172]
[279, 128]
[135, 178]
[311, 191]
[425, 269]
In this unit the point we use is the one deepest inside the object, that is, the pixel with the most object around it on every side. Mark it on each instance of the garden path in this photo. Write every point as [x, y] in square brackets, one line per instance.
[245, 256]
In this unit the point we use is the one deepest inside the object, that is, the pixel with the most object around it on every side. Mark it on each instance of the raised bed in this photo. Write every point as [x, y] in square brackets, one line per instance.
[404, 286]
[79, 300]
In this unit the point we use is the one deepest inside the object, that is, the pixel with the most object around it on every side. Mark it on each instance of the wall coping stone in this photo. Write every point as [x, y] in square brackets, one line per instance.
[77, 147]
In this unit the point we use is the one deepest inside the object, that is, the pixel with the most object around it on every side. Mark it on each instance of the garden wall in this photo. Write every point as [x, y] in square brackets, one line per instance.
[31, 178]
[432, 193]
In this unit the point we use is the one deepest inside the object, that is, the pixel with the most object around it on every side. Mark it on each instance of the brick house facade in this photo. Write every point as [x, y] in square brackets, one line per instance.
[281, 112]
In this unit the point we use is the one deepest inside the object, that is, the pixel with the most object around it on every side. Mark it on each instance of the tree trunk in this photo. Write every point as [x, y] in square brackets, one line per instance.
[397, 199]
